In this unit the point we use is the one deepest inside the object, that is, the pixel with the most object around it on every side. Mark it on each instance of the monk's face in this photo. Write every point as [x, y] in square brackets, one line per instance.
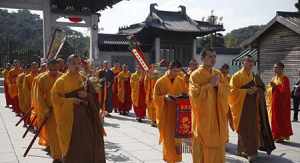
[125, 68]
[210, 59]
[224, 70]
[105, 65]
[34, 68]
[193, 66]
[61, 64]
[248, 63]
[173, 72]
[75, 65]
[277, 69]
[16, 63]
[53, 69]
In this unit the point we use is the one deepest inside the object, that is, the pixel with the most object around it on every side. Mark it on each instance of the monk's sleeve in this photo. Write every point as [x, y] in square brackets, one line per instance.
[198, 88]
[58, 97]
[236, 99]
[223, 92]
[198, 92]
[159, 100]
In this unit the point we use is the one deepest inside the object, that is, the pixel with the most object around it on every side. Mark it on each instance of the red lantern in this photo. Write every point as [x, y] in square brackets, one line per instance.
[75, 19]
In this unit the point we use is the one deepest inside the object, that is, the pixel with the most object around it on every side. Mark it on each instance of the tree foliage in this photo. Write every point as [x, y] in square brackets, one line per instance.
[236, 37]
[22, 31]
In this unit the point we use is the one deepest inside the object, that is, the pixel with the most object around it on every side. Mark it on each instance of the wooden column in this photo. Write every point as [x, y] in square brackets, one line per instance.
[157, 50]
[194, 49]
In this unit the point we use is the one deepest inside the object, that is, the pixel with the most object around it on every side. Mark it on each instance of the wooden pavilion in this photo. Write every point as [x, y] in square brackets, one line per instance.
[167, 35]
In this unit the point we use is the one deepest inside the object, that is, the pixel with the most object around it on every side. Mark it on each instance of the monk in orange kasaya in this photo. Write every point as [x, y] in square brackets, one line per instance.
[166, 89]
[76, 111]
[115, 100]
[138, 93]
[12, 86]
[6, 92]
[44, 87]
[208, 95]
[124, 90]
[150, 79]
[249, 113]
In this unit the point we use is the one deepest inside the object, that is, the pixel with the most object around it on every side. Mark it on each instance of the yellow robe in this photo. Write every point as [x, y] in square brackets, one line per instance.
[20, 80]
[35, 112]
[45, 84]
[121, 87]
[134, 84]
[166, 114]
[63, 107]
[237, 95]
[12, 85]
[209, 116]
[27, 88]
[149, 83]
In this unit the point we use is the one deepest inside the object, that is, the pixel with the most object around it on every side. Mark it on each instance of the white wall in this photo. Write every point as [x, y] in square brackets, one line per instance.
[221, 59]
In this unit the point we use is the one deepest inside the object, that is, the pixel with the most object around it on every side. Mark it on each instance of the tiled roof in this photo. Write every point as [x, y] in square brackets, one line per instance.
[82, 5]
[112, 39]
[290, 20]
[177, 21]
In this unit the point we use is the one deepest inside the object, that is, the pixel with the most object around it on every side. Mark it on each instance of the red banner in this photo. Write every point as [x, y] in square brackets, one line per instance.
[139, 56]
[183, 119]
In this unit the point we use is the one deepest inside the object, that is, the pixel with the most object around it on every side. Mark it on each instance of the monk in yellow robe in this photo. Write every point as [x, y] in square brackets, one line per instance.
[76, 112]
[150, 79]
[45, 84]
[20, 80]
[166, 89]
[12, 86]
[138, 93]
[226, 76]
[36, 109]
[208, 95]
[124, 91]
[248, 108]
[6, 93]
[115, 100]
[28, 85]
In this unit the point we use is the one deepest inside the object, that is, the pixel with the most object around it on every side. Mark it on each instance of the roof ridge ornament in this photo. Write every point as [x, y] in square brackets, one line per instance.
[152, 8]
[297, 5]
[183, 9]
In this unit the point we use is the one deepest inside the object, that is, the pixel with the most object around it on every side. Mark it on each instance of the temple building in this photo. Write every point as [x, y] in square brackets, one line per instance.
[167, 35]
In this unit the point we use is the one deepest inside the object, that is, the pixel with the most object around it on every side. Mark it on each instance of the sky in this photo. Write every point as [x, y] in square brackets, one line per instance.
[235, 13]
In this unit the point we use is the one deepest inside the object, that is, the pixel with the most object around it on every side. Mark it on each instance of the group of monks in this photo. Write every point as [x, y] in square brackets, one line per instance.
[60, 102]
[74, 99]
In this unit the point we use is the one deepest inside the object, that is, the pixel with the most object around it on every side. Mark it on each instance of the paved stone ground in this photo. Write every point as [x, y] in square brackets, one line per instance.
[127, 141]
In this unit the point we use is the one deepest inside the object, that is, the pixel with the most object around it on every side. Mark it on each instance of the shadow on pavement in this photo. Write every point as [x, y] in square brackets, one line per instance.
[262, 157]
[112, 152]
[38, 156]
[123, 118]
[231, 148]
[292, 144]
[114, 125]
[273, 159]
